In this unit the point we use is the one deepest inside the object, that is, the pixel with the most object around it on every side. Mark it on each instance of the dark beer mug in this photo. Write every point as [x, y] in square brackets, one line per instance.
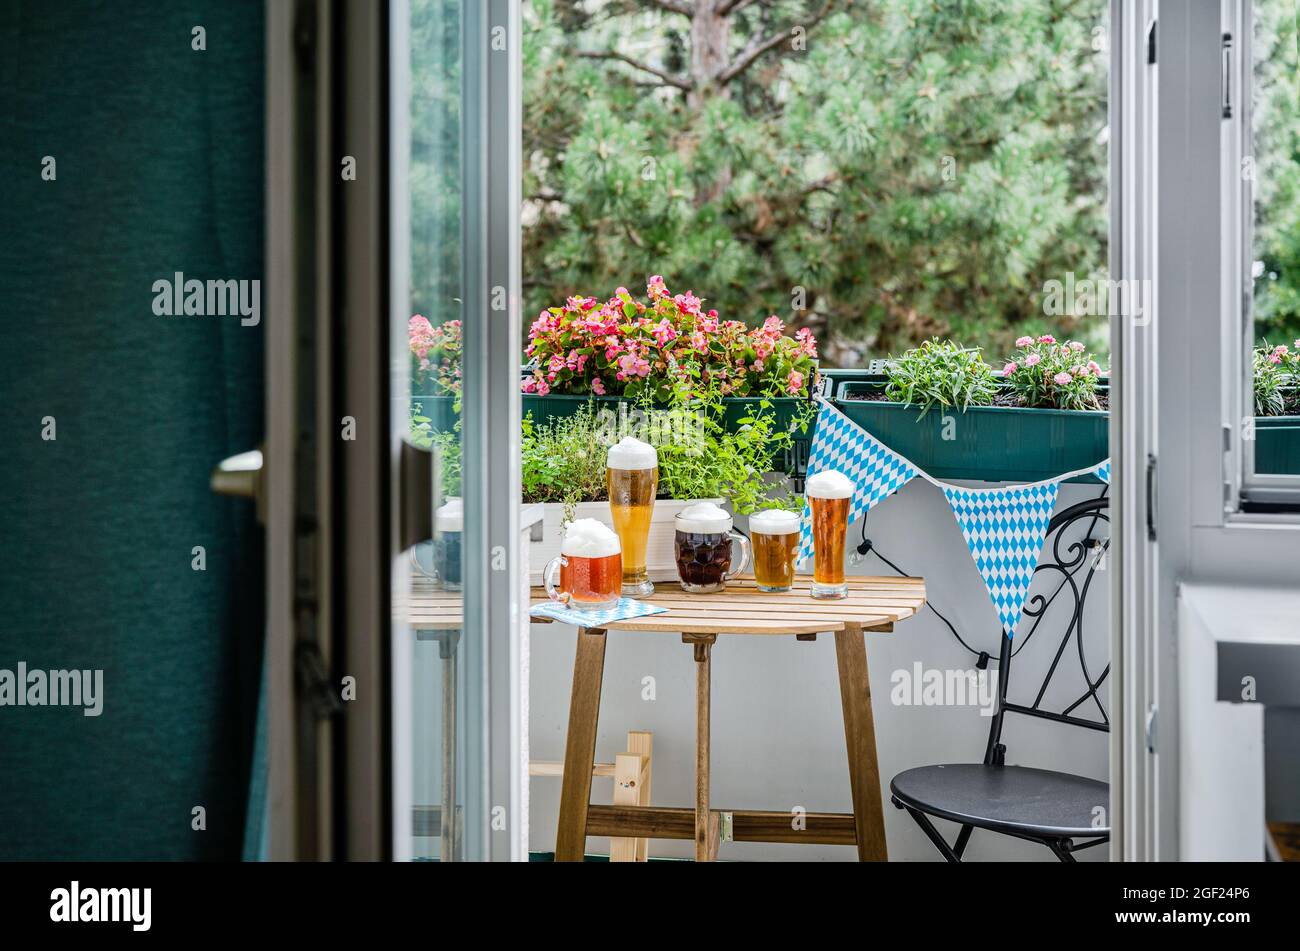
[703, 548]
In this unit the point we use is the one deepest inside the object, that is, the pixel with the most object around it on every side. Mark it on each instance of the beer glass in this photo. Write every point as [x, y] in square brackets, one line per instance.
[632, 477]
[703, 548]
[775, 535]
[830, 493]
[590, 568]
[450, 521]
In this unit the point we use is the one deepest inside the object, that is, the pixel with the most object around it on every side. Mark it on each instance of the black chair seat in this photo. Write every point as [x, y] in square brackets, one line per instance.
[1013, 799]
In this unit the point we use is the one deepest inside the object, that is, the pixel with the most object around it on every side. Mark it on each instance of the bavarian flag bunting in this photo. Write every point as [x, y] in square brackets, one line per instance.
[1005, 529]
[875, 470]
[1004, 526]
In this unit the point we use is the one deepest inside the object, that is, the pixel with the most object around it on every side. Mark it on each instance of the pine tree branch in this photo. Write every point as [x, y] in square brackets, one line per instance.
[753, 51]
[667, 79]
[676, 6]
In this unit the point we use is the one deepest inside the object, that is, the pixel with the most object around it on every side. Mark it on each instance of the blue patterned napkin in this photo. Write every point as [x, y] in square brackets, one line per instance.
[626, 609]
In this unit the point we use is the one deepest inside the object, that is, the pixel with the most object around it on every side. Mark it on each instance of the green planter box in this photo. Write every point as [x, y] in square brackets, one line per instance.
[990, 443]
[547, 408]
[439, 409]
[1277, 445]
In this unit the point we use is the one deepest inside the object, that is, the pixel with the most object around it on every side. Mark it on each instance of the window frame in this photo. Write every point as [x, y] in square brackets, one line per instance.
[1250, 497]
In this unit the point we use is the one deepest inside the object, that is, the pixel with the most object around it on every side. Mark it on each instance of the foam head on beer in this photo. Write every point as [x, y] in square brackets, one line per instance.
[588, 538]
[828, 484]
[704, 518]
[631, 453]
[450, 517]
[774, 522]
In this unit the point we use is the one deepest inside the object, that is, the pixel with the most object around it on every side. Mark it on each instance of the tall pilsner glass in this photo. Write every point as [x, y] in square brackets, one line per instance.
[829, 495]
[632, 475]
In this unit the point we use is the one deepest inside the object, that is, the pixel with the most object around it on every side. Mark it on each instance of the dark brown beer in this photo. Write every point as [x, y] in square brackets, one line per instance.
[703, 559]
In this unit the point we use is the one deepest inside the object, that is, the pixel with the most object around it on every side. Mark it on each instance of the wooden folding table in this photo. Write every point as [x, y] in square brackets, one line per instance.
[873, 604]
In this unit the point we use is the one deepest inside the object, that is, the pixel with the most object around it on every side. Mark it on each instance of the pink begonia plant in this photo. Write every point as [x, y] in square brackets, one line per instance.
[435, 357]
[625, 346]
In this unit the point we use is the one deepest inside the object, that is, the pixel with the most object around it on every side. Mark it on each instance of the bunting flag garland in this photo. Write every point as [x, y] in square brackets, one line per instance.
[875, 470]
[1005, 528]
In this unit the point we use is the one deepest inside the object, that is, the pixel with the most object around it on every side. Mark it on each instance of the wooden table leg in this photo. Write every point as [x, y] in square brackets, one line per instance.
[580, 745]
[703, 649]
[860, 737]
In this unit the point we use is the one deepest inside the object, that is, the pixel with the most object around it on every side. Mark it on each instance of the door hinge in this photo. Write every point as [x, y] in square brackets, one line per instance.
[1151, 497]
[314, 685]
[1151, 41]
[1151, 728]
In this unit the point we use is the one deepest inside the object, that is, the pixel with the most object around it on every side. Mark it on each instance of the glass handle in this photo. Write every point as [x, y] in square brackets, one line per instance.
[549, 579]
[746, 555]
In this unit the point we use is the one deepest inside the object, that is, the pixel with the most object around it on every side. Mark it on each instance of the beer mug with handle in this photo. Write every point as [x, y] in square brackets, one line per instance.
[632, 477]
[703, 548]
[775, 535]
[589, 568]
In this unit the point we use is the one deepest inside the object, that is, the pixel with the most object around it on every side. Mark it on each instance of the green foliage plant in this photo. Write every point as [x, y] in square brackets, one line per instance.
[941, 373]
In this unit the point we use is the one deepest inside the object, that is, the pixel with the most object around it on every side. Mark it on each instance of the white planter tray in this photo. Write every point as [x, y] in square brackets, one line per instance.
[660, 561]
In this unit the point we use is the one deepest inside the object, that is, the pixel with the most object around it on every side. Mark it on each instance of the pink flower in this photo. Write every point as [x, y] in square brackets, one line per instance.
[1061, 379]
[529, 385]
[687, 303]
[1076, 346]
[664, 333]
[419, 324]
[1275, 358]
[598, 387]
[1047, 338]
[655, 288]
[1033, 360]
[1024, 341]
[1010, 368]
[542, 388]
[794, 382]
[1094, 368]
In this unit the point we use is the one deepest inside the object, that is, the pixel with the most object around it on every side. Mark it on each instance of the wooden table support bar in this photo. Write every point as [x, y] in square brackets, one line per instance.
[748, 825]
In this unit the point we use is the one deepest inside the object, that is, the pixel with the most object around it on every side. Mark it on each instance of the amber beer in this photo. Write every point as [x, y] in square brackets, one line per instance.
[829, 495]
[590, 567]
[775, 535]
[632, 477]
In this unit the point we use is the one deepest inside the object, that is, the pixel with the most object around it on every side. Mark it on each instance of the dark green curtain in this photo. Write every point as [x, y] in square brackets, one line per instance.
[159, 152]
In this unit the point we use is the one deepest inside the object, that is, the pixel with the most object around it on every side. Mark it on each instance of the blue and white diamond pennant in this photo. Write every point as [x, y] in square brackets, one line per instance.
[1005, 529]
[875, 470]
[1102, 472]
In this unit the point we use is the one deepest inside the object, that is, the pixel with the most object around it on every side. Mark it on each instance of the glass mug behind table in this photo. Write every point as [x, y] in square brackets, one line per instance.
[439, 560]
[775, 536]
[830, 494]
[703, 546]
[589, 568]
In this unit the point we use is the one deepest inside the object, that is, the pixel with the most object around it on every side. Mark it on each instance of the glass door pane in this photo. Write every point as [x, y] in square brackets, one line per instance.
[438, 715]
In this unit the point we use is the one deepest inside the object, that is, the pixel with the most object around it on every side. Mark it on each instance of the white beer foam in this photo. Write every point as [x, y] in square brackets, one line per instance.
[703, 518]
[828, 484]
[632, 453]
[450, 517]
[774, 522]
[589, 538]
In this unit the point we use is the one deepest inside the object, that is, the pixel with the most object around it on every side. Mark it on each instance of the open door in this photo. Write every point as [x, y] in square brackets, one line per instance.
[391, 459]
